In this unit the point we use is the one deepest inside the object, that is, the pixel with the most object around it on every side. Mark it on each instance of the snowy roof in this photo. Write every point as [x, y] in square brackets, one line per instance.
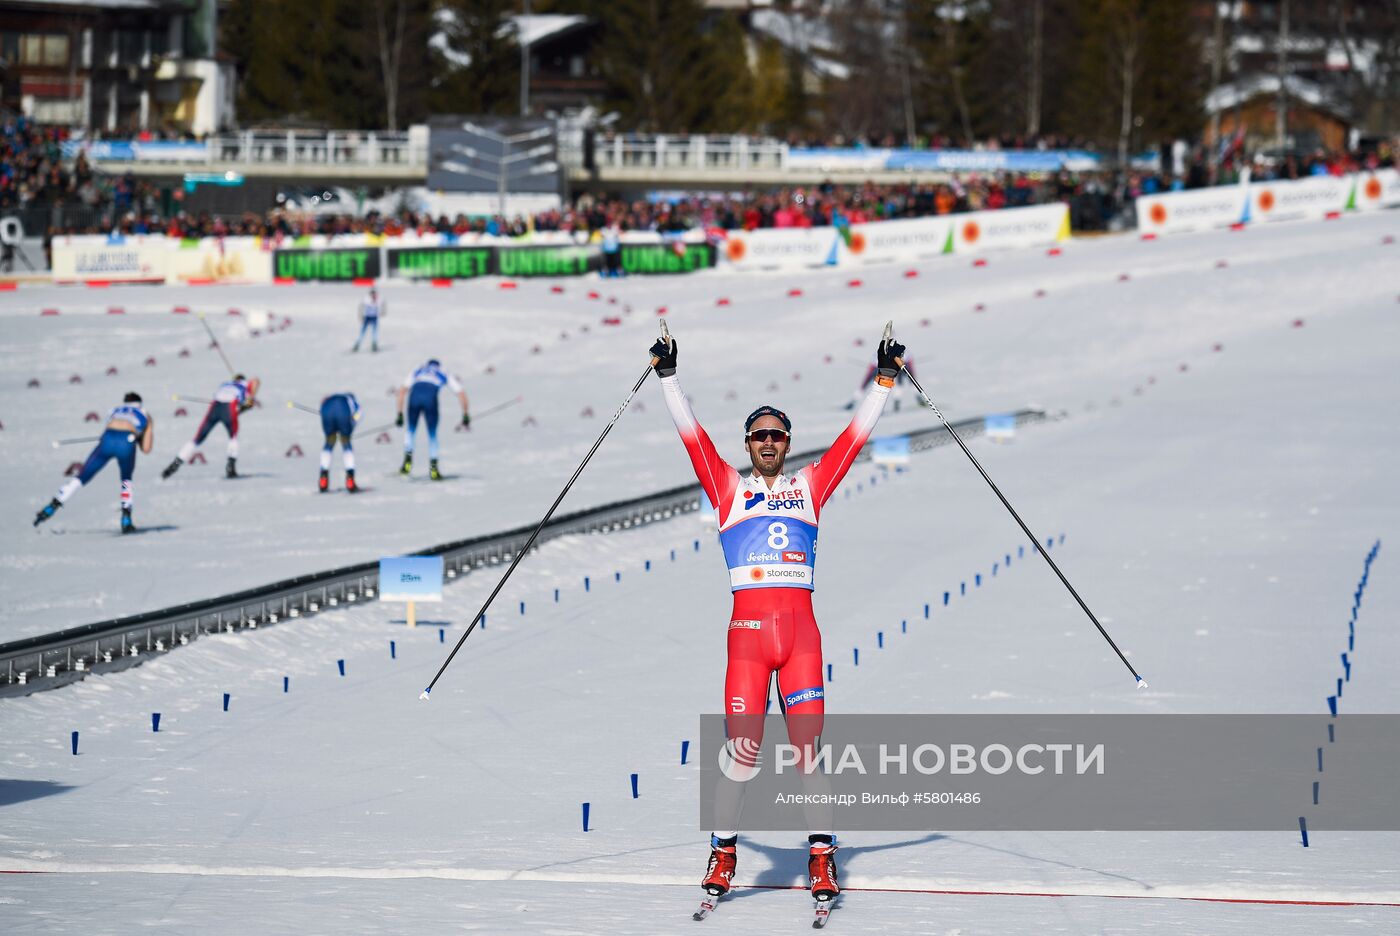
[532, 29]
[810, 37]
[1234, 93]
[535, 29]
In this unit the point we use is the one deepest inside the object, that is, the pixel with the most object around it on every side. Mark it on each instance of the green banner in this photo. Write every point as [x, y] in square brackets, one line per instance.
[336, 263]
[543, 261]
[664, 258]
[440, 262]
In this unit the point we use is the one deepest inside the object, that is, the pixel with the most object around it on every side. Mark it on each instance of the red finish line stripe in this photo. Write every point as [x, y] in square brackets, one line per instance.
[981, 893]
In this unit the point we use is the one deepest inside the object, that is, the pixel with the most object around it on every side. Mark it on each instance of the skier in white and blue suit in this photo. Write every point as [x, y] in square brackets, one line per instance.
[128, 428]
[421, 389]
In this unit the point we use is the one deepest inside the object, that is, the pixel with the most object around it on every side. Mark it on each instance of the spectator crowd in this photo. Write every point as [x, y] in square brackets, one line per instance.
[34, 175]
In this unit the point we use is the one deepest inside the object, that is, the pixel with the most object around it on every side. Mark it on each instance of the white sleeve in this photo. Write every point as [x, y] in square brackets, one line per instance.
[454, 384]
[408, 381]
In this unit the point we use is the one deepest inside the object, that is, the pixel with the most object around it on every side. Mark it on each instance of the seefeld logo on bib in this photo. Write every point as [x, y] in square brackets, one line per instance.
[788, 556]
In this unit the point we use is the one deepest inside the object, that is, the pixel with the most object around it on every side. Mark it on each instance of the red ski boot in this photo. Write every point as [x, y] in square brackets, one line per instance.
[720, 873]
[821, 872]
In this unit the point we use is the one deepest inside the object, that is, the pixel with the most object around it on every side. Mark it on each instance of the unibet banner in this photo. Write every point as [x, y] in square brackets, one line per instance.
[440, 262]
[667, 258]
[335, 264]
[543, 261]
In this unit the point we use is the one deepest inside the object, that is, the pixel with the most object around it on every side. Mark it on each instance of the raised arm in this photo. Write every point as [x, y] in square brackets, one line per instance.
[716, 476]
[825, 473]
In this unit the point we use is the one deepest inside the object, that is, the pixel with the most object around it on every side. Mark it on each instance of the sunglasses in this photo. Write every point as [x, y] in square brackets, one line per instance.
[766, 435]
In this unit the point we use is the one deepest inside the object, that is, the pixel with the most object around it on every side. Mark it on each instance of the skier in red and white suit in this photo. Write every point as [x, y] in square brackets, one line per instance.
[768, 529]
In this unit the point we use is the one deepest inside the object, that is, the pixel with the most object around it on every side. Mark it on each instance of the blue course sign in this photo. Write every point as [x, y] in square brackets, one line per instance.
[410, 578]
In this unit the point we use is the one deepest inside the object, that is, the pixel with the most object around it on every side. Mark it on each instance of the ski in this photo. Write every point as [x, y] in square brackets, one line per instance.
[707, 906]
[822, 913]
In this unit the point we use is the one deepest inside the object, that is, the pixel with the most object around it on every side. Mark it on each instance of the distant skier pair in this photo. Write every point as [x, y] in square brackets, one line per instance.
[420, 389]
[129, 427]
[340, 412]
[768, 530]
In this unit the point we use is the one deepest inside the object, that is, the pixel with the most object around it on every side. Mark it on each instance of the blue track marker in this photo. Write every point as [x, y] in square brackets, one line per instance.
[155, 721]
[340, 665]
[634, 786]
[685, 751]
[585, 817]
[226, 698]
[75, 744]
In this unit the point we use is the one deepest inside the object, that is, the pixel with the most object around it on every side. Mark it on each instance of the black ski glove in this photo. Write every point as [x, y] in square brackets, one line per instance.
[467, 420]
[665, 356]
[885, 357]
[398, 420]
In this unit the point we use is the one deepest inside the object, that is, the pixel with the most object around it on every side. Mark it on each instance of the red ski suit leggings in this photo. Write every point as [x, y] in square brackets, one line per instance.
[774, 630]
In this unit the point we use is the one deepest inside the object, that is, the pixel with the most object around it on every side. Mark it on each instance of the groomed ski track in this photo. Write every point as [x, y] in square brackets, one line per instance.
[1217, 522]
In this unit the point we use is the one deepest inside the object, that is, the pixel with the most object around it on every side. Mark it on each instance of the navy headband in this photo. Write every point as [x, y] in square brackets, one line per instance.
[767, 411]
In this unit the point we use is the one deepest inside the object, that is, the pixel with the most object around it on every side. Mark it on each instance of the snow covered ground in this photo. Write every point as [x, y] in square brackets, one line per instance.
[1217, 521]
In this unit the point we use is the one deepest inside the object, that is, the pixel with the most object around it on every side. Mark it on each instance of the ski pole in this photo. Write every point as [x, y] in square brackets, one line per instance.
[304, 409]
[499, 406]
[377, 429]
[130, 437]
[520, 554]
[190, 399]
[217, 347]
[1007, 504]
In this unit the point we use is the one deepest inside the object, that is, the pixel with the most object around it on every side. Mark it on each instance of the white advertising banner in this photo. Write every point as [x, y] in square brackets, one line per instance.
[1297, 199]
[1375, 190]
[896, 240]
[1203, 209]
[219, 260]
[780, 248]
[97, 258]
[1034, 226]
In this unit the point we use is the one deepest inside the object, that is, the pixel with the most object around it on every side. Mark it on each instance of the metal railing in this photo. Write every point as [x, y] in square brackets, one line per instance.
[661, 152]
[52, 660]
[261, 148]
